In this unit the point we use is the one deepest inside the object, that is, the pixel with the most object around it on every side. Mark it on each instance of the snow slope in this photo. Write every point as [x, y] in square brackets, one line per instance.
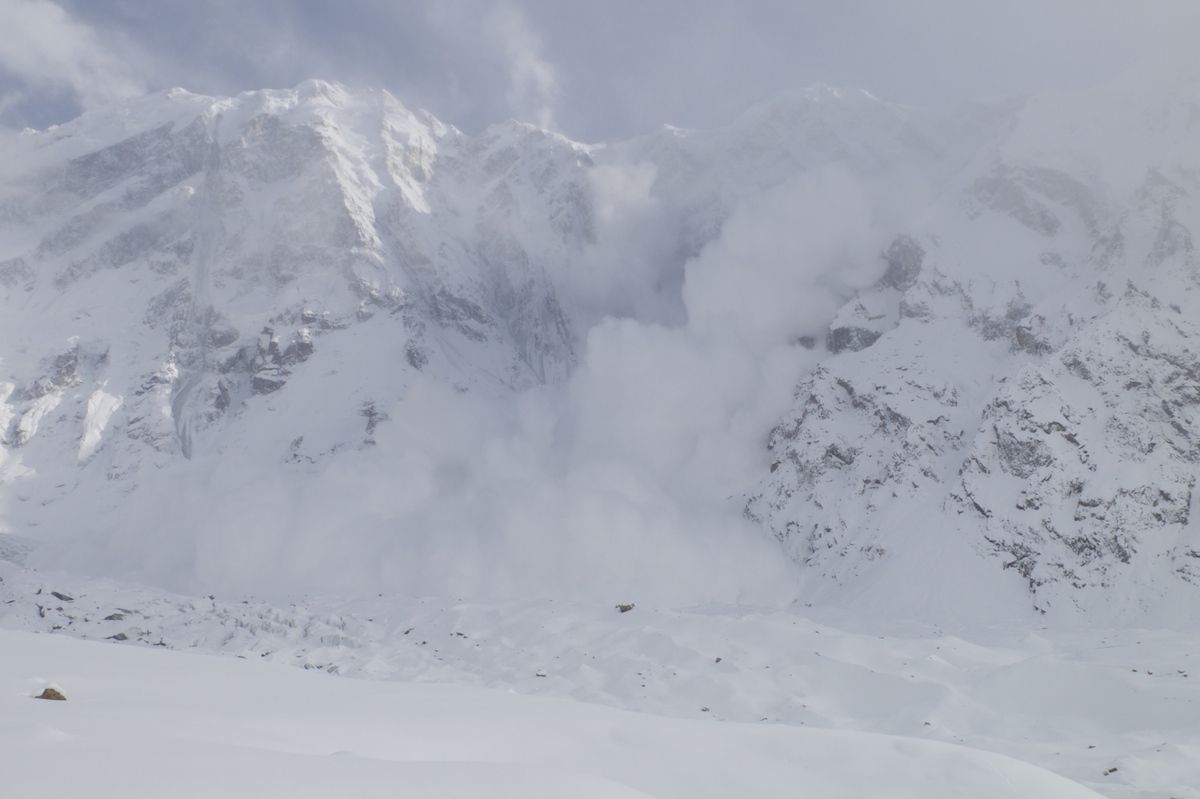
[141, 723]
[1113, 710]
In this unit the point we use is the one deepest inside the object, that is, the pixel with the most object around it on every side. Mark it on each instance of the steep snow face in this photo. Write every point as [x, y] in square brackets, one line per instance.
[1023, 382]
[170, 264]
[298, 213]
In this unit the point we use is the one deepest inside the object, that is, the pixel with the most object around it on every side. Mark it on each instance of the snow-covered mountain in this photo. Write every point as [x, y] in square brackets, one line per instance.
[1025, 378]
[185, 276]
[211, 305]
[192, 251]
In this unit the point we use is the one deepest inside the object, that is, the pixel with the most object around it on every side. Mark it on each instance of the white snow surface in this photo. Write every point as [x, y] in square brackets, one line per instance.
[100, 408]
[137, 723]
[537, 695]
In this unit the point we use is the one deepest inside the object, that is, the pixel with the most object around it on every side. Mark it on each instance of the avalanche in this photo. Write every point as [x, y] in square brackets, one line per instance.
[906, 373]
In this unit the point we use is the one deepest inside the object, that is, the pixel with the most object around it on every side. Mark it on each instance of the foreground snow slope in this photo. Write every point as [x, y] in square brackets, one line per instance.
[1113, 710]
[142, 723]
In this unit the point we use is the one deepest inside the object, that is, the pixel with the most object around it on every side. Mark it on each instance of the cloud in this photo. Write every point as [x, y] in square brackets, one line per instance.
[607, 71]
[44, 49]
[684, 408]
[533, 82]
[464, 495]
[627, 483]
[786, 260]
[632, 267]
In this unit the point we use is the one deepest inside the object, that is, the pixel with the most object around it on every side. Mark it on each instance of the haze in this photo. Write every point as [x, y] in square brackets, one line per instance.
[594, 71]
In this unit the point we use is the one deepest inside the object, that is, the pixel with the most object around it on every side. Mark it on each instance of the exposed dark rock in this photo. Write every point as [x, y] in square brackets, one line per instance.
[267, 382]
[374, 416]
[904, 258]
[852, 339]
[1022, 457]
[415, 355]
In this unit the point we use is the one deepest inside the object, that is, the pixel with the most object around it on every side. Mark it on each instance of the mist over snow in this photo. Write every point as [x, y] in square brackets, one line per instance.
[839, 351]
[599, 72]
[625, 479]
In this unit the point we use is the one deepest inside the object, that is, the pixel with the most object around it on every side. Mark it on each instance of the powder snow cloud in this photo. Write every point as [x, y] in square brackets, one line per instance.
[45, 50]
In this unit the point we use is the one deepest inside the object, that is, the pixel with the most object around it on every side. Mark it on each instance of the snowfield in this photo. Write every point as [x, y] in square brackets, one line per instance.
[728, 701]
[140, 723]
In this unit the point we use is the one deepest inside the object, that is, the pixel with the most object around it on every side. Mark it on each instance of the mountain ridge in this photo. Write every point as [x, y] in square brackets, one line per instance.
[1009, 388]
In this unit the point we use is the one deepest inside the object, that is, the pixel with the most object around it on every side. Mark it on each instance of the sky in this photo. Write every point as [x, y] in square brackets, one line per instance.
[593, 71]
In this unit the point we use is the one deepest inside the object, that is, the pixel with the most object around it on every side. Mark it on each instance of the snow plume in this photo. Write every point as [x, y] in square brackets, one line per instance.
[632, 268]
[22, 158]
[533, 81]
[786, 260]
[464, 495]
[692, 296]
[626, 483]
[630, 479]
[689, 405]
[45, 50]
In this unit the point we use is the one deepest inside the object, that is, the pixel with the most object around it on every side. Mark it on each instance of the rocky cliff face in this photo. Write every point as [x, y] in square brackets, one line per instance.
[1025, 375]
